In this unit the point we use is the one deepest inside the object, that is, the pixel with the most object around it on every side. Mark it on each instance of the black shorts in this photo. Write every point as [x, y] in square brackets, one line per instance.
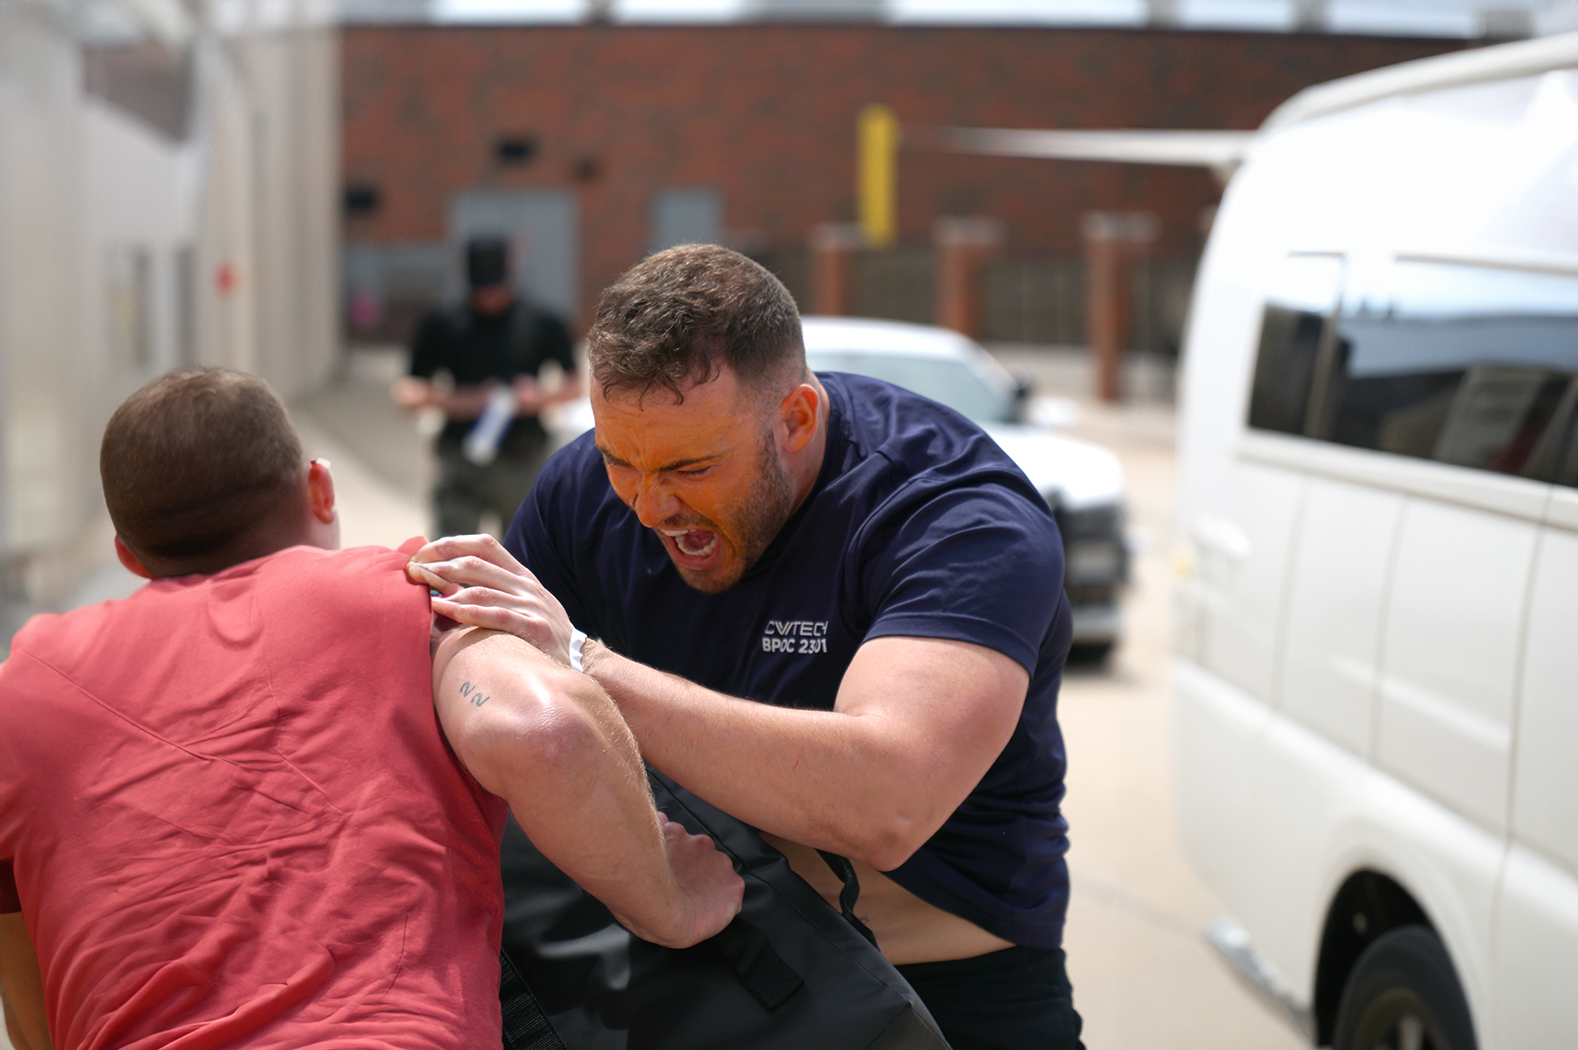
[1016, 999]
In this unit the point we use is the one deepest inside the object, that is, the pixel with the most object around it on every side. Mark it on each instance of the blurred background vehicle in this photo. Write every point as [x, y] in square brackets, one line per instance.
[1376, 625]
[1081, 482]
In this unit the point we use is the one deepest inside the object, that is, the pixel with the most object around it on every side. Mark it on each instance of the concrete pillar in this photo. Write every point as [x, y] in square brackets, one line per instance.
[833, 246]
[1113, 241]
[963, 248]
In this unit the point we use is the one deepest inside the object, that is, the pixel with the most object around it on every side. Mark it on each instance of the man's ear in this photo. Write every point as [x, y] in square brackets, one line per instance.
[798, 412]
[133, 564]
[320, 491]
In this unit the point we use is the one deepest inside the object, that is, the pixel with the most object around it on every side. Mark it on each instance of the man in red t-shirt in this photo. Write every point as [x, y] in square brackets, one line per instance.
[227, 813]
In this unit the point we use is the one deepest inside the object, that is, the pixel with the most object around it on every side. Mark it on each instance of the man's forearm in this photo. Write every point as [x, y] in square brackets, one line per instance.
[551, 743]
[461, 402]
[859, 782]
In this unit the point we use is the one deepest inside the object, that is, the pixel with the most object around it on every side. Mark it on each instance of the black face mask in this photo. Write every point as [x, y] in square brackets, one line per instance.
[487, 262]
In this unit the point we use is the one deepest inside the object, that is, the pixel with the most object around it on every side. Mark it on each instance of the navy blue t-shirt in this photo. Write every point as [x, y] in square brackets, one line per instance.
[918, 525]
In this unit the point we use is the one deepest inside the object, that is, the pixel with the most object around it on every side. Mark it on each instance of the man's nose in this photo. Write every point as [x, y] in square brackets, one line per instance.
[654, 502]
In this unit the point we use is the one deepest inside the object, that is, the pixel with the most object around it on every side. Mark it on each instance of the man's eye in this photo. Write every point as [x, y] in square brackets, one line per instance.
[692, 472]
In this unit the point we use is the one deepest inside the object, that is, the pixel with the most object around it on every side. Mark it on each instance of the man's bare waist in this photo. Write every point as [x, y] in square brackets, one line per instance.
[908, 929]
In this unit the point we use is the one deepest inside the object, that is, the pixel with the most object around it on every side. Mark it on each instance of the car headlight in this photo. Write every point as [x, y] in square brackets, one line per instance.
[1089, 561]
[1093, 546]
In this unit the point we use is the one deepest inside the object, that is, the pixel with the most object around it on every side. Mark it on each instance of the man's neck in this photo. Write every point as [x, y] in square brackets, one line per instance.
[224, 560]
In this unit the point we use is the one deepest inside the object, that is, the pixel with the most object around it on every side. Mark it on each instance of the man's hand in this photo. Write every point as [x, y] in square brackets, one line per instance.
[708, 886]
[412, 393]
[482, 585]
[529, 395]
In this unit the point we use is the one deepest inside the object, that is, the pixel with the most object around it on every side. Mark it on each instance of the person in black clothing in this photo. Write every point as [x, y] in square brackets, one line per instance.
[493, 346]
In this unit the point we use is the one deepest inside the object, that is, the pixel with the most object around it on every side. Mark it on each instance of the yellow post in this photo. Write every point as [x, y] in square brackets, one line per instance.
[878, 147]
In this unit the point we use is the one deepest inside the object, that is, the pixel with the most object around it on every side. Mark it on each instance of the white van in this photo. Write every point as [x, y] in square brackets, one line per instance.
[1376, 715]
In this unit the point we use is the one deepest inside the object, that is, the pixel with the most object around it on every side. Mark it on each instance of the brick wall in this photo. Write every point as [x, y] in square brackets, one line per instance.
[766, 115]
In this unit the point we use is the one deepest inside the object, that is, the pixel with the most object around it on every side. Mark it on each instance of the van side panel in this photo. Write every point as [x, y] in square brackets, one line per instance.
[1451, 655]
[1332, 643]
[1536, 954]
[1243, 554]
[1217, 730]
[1545, 798]
[1275, 817]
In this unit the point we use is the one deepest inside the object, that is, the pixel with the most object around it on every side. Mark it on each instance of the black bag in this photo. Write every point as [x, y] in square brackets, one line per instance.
[789, 973]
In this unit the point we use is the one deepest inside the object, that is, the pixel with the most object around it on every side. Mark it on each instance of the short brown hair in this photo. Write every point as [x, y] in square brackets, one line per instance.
[197, 465]
[677, 317]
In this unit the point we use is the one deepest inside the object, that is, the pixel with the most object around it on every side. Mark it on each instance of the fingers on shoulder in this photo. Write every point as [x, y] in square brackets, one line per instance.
[480, 546]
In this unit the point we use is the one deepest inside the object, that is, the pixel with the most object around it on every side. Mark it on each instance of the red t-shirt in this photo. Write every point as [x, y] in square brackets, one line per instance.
[232, 818]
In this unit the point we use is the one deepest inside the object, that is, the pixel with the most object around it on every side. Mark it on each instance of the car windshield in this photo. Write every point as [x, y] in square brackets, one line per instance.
[952, 382]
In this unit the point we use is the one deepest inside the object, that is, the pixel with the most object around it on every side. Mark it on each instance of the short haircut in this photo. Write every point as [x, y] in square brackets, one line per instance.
[198, 465]
[678, 316]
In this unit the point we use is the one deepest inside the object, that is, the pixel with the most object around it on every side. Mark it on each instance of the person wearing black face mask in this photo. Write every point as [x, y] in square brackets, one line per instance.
[493, 347]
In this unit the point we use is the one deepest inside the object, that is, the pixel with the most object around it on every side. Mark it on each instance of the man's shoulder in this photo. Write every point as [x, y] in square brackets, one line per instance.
[357, 578]
[878, 414]
[891, 438]
[307, 576]
[369, 558]
[575, 474]
[571, 507]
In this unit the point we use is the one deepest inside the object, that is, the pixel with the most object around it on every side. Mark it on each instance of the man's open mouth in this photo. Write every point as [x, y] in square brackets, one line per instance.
[693, 543]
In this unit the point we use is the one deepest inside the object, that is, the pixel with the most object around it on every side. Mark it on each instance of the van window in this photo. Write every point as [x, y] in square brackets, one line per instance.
[1468, 365]
[1557, 458]
[1302, 296]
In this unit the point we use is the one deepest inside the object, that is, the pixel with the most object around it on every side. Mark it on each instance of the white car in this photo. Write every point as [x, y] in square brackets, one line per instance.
[1081, 482]
[1376, 629]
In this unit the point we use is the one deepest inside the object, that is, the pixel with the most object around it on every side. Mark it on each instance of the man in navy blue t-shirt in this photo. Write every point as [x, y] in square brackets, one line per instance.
[827, 606]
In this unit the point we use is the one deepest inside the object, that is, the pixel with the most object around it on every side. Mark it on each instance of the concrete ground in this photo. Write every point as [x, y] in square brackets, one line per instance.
[1143, 975]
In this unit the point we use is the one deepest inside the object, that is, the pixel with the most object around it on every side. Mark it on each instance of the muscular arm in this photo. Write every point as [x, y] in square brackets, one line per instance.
[917, 721]
[916, 724]
[550, 742]
[21, 987]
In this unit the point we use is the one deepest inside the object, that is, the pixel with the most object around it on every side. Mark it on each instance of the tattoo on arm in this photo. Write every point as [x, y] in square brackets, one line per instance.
[474, 694]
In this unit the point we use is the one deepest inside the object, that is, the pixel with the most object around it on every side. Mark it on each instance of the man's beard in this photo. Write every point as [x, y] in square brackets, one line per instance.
[761, 516]
[769, 507]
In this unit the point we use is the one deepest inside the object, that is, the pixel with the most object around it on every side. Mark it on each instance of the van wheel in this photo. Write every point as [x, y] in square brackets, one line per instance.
[1404, 995]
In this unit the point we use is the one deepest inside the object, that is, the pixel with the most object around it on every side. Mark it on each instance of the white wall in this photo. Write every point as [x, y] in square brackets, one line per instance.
[293, 78]
[40, 168]
[89, 195]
